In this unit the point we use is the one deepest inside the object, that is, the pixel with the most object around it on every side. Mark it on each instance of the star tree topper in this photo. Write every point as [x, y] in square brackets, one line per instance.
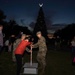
[40, 4]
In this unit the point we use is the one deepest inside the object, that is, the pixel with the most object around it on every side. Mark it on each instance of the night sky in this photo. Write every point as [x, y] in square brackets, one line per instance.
[59, 11]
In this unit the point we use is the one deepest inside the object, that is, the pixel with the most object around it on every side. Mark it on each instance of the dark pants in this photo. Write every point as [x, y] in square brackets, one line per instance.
[73, 52]
[1, 49]
[19, 63]
[73, 55]
[6, 48]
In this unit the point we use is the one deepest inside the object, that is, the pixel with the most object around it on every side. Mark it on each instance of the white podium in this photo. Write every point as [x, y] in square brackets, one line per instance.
[30, 69]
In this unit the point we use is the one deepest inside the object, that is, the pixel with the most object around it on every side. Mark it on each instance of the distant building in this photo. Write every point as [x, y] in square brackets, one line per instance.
[54, 28]
[50, 34]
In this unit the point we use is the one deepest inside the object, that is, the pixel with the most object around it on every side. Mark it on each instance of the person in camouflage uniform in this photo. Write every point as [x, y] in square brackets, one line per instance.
[42, 50]
[16, 43]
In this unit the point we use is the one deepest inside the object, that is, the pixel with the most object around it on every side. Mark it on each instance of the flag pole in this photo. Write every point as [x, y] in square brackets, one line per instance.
[31, 57]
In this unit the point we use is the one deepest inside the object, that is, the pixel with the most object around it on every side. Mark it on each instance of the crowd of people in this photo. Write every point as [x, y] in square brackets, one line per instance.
[24, 43]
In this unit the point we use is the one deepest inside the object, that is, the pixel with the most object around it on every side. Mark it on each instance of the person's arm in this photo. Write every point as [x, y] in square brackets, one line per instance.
[36, 45]
[27, 49]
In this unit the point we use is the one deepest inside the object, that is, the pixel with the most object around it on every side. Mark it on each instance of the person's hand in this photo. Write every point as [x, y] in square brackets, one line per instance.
[32, 45]
[30, 51]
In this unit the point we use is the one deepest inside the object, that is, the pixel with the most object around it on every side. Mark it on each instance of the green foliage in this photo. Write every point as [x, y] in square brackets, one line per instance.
[66, 33]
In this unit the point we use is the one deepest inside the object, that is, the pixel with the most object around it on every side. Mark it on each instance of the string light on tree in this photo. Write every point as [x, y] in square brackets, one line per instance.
[40, 24]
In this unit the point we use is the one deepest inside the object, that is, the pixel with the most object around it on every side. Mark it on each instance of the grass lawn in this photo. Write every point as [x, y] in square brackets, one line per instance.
[58, 63]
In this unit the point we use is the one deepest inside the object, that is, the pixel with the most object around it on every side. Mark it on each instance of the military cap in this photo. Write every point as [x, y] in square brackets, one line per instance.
[39, 32]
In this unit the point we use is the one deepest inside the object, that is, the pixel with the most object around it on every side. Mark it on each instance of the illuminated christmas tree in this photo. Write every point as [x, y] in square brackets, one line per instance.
[40, 23]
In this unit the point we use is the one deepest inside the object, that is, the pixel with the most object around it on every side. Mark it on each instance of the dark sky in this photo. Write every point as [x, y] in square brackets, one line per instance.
[62, 11]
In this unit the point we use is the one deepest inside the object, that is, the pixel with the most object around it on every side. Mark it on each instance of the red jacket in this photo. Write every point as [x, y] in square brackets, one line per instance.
[21, 47]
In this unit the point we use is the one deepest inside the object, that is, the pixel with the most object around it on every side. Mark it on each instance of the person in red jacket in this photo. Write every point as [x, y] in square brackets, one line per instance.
[19, 51]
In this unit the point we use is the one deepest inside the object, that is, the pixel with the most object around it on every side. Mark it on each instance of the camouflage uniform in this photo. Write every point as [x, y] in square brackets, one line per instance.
[16, 43]
[42, 52]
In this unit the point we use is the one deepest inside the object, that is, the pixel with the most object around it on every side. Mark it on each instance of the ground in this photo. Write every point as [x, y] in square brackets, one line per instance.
[58, 63]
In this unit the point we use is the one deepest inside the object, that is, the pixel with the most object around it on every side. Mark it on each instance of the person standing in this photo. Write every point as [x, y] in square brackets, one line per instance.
[73, 50]
[6, 45]
[41, 56]
[1, 38]
[11, 41]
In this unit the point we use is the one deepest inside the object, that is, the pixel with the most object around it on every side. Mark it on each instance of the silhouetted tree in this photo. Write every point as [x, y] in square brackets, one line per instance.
[2, 16]
[66, 33]
[12, 27]
[32, 24]
[40, 24]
